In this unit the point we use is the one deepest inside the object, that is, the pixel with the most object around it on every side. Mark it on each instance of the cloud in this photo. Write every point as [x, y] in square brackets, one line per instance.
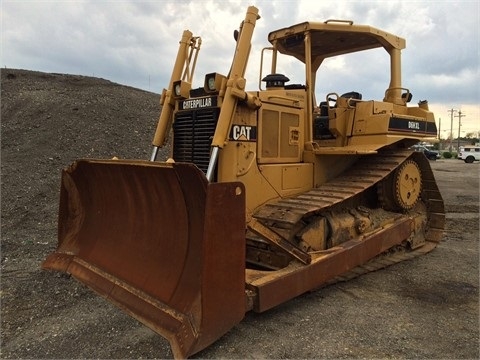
[135, 42]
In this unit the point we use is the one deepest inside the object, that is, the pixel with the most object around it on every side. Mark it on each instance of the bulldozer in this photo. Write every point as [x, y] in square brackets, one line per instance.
[265, 195]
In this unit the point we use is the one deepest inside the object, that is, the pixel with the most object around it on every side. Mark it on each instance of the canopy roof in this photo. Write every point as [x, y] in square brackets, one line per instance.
[331, 38]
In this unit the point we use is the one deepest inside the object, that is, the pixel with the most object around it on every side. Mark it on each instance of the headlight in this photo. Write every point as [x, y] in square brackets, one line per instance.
[181, 89]
[214, 82]
[177, 89]
[211, 83]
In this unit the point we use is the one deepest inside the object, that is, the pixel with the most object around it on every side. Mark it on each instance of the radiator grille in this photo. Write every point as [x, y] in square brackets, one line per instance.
[193, 133]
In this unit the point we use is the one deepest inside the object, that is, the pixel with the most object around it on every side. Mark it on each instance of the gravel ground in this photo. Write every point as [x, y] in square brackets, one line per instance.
[425, 308]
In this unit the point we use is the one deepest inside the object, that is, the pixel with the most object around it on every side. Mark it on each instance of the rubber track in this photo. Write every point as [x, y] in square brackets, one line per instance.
[369, 170]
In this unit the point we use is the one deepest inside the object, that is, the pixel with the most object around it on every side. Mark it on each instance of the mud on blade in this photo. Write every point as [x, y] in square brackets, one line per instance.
[160, 242]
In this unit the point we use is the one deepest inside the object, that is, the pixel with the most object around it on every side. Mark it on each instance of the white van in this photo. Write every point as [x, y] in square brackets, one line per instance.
[469, 153]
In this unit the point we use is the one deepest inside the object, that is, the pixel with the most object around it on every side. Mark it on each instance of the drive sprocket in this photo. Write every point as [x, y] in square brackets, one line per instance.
[401, 191]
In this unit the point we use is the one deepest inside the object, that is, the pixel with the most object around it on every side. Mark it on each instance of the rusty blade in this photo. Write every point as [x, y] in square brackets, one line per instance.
[160, 242]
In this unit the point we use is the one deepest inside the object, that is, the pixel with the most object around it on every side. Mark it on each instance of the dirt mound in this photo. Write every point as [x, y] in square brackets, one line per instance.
[48, 121]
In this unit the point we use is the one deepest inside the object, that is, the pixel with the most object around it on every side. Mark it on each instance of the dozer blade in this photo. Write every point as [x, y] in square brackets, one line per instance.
[160, 242]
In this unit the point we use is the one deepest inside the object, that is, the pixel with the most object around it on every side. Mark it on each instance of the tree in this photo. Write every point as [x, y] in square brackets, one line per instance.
[473, 137]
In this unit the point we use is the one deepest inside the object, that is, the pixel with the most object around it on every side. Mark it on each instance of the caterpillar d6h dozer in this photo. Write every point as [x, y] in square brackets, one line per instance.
[267, 194]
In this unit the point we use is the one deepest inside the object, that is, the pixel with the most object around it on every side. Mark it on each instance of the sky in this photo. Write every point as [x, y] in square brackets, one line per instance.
[135, 43]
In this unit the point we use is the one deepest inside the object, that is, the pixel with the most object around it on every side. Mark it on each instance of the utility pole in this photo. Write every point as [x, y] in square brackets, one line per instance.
[452, 111]
[460, 115]
[440, 147]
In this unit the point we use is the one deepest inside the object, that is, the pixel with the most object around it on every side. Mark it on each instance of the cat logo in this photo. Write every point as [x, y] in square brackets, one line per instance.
[243, 133]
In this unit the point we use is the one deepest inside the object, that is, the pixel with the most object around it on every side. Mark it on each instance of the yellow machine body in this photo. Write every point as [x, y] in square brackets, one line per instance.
[267, 193]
